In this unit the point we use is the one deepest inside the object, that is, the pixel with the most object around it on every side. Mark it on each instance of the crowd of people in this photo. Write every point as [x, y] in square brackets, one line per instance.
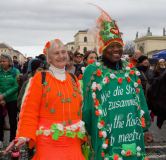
[59, 100]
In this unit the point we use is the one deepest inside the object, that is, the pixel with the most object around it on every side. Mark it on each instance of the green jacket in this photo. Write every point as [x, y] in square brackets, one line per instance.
[8, 84]
[114, 108]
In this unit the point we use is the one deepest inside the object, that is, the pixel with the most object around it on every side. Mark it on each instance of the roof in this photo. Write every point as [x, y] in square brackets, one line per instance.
[3, 45]
[70, 43]
[81, 31]
[150, 38]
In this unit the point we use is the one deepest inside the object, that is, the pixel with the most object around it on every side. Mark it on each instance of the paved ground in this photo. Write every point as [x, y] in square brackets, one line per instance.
[157, 149]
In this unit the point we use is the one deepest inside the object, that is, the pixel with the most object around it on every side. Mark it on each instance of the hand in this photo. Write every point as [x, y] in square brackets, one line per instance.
[16, 143]
[21, 141]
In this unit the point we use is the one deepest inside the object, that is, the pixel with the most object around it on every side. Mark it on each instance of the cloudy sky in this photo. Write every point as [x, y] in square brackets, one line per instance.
[27, 24]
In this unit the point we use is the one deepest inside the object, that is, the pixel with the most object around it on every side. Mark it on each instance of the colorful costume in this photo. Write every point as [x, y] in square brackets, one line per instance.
[115, 110]
[51, 118]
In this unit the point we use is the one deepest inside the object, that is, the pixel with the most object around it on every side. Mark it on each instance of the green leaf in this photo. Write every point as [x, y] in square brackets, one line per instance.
[55, 136]
[80, 135]
[70, 134]
[54, 127]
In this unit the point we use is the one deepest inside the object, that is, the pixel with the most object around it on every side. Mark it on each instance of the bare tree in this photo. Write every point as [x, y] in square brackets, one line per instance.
[129, 48]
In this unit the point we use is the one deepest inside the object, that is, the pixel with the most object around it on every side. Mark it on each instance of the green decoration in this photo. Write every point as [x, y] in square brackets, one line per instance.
[55, 135]
[131, 147]
[70, 134]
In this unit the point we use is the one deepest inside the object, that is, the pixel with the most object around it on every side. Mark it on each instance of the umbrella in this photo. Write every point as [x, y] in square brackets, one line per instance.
[159, 55]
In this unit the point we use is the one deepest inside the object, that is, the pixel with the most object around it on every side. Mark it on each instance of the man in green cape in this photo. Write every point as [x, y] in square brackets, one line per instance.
[114, 110]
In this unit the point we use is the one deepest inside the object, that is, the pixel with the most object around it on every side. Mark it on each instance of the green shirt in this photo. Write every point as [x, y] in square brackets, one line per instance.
[8, 84]
[115, 112]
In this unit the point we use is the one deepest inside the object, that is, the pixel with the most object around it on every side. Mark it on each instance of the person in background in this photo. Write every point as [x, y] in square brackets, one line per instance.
[25, 65]
[146, 75]
[16, 63]
[90, 57]
[8, 94]
[133, 59]
[42, 58]
[50, 117]
[70, 67]
[159, 68]
[78, 63]
[34, 65]
[157, 98]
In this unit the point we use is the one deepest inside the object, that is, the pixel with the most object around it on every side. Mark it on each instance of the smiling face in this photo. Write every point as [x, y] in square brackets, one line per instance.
[57, 56]
[113, 52]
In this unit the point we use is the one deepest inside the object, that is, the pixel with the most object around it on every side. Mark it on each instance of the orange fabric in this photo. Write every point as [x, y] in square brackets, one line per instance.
[63, 149]
[43, 106]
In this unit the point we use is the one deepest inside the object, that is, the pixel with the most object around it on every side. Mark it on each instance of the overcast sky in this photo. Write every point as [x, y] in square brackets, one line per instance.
[27, 24]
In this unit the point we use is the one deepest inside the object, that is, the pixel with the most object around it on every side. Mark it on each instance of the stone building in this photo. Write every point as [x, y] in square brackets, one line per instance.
[4, 48]
[70, 46]
[150, 44]
[83, 41]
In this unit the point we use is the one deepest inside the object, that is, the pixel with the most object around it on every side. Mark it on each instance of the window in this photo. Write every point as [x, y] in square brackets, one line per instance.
[141, 49]
[85, 39]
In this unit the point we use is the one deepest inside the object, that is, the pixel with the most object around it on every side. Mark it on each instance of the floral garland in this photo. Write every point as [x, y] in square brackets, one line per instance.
[129, 71]
[57, 130]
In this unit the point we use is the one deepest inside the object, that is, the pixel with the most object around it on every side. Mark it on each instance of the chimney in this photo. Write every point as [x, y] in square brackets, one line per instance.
[136, 37]
[164, 32]
[148, 32]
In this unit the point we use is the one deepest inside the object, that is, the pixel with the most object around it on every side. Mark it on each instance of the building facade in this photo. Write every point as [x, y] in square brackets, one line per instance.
[149, 44]
[83, 41]
[4, 48]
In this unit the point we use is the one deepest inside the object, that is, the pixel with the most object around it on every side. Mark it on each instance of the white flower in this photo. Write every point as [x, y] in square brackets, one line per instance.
[127, 68]
[60, 127]
[104, 80]
[106, 158]
[120, 158]
[81, 124]
[68, 128]
[126, 74]
[97, 63]
[138, 154]
[83, 69]
[47, 132]
[94, 85]
[100, 111]
[94, 95]
[104, 146]
[135, 84]
[142, 113]
[99, 87]
[74, 127]
[99, 125]
[112, 76]
[41, 127]
[137, 73]
[104, 134]
[123, 152]
[82, 130]
[138, 148]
